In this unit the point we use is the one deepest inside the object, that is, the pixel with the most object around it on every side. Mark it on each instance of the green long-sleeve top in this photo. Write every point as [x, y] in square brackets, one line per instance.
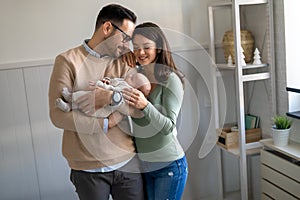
[156, 133]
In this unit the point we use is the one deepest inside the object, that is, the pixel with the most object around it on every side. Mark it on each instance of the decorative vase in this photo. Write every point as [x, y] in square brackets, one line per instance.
[281, 136]
[247, 42]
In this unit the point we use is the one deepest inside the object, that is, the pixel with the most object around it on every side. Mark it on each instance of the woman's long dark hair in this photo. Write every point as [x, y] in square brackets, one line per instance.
[164, 60]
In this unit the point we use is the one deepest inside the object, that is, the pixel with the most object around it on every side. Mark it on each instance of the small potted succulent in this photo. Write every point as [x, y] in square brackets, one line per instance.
[281, 130]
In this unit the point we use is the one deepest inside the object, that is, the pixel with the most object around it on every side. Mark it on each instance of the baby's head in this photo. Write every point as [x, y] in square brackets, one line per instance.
[138, 81]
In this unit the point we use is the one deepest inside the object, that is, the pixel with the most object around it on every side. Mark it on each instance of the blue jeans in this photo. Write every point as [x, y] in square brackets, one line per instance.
[166, 183]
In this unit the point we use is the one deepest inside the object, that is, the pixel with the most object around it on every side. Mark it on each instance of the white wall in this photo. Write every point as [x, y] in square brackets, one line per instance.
[35, 29]
[40, 29]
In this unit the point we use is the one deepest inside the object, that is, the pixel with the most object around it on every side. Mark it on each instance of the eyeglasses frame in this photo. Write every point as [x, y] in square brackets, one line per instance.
[127, 38]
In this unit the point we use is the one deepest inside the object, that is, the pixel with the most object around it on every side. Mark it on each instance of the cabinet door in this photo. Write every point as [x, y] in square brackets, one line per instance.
[52, 168]
[280, 172]
[18, 178]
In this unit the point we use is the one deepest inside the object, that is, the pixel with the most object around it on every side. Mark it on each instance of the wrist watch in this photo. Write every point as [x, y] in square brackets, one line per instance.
[116, 98]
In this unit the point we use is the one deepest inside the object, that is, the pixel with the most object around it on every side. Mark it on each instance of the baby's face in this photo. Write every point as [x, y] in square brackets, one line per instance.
[132, 78]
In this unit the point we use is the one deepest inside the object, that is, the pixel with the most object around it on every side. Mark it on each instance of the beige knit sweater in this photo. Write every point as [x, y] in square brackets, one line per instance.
[84, 145]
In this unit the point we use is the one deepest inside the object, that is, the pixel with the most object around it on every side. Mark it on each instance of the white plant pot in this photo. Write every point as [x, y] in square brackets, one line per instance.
[281, 136]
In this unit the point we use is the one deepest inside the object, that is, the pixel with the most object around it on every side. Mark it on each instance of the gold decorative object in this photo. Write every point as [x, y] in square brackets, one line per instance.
[247, 42]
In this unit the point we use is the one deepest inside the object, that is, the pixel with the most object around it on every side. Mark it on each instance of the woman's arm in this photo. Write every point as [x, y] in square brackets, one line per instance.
[163, 117]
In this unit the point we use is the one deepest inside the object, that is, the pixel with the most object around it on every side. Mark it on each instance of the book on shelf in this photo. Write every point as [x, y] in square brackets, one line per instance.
[251, 121]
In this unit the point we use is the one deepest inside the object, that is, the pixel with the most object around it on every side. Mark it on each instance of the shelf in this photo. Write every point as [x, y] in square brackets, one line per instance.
[292, 149]
[239, 2]
[256, 77]
[251, 66]
[236, 151]
[252, 149]
[248, 66]
[251, 2]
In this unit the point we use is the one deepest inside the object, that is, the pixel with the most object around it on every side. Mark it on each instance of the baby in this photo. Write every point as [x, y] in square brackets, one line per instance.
[132, 80]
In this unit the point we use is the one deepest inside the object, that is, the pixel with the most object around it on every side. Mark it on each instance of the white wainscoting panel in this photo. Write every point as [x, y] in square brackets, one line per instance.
[52, 168]
[18, 177]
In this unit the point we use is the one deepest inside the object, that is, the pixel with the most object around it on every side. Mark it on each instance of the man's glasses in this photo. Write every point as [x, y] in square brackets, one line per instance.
[126, 37]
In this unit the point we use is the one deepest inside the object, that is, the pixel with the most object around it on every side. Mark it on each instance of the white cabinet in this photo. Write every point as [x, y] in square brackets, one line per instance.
[280, 171]
[262, 29]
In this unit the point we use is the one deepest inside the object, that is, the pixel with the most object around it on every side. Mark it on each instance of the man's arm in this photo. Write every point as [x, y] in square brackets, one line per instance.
[62, 76]
[94, 100]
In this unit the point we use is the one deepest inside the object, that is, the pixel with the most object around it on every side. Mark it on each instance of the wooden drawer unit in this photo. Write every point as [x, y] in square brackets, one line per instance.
[280, 176]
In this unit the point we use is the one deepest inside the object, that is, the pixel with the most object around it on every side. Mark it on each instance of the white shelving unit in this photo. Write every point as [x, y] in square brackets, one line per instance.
[243, 74]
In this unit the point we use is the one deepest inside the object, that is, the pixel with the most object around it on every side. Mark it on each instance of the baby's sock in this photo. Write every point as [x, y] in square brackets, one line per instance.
[100, 84]
[66, 94]
[66, 107]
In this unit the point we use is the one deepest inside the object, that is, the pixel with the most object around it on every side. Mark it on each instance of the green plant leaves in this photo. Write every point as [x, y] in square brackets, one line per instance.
[282, 122]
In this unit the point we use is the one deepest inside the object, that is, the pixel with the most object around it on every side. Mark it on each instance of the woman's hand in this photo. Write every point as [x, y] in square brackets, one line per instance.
[135, 98]
[130, 59]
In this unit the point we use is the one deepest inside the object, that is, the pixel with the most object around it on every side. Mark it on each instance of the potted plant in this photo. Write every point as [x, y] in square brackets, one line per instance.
[281, 130]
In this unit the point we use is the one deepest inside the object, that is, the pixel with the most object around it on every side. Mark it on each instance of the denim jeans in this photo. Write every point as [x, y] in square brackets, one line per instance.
[168, 182]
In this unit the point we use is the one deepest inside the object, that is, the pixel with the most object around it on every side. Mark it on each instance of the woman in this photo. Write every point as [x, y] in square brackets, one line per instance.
[156, 140]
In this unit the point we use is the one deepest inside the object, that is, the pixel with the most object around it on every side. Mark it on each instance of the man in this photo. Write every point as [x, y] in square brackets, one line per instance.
[99, 153]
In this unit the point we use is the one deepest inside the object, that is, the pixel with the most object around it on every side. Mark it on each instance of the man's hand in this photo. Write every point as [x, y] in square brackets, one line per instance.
[94, 100]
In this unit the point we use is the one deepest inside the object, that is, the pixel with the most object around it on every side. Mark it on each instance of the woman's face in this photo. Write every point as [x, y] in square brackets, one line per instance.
[144, 49]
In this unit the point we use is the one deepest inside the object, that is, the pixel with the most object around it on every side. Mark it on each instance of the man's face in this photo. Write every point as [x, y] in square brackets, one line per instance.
[119, 40]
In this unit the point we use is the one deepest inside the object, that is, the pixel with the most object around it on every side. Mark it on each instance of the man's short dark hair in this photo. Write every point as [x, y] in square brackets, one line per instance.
[115, 13]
